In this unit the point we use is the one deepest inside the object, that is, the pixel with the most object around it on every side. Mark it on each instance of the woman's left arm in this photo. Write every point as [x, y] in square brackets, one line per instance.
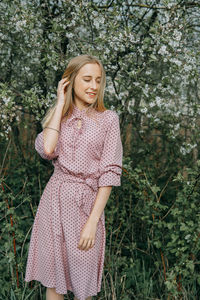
[100, 203]
[87, 239]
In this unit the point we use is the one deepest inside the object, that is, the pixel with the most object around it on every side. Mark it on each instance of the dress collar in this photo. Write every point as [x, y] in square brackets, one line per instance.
[78, 112]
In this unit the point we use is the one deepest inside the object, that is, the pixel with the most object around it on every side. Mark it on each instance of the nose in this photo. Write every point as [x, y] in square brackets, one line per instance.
[93, 84]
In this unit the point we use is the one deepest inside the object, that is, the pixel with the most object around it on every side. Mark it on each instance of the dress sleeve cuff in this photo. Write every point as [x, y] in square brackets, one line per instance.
[109, 179]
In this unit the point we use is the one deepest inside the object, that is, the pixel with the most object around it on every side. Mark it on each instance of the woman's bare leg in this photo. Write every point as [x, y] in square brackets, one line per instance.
[88, 298]
[52, 295]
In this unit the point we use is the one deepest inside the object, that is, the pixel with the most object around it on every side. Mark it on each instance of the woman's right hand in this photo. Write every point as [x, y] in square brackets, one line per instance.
[61, 91]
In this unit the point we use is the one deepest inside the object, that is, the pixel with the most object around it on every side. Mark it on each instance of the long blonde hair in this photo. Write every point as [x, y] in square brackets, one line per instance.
[70, 73]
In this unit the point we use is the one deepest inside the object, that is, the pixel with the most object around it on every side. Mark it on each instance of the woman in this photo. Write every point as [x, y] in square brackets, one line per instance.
[83, 141]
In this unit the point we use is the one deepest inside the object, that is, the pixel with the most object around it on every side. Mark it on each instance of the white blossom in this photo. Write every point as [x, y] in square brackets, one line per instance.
[152, 104]
[144, 110]
[163, 50]
[6, 100]
[176, 61]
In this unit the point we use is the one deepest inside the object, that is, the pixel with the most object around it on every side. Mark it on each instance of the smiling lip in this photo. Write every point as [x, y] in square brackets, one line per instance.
[91, 94]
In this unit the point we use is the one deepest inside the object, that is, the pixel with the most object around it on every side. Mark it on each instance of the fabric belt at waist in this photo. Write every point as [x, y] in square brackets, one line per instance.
[91, 181]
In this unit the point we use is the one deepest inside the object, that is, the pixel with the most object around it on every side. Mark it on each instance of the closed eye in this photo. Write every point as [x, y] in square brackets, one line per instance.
[88, 80]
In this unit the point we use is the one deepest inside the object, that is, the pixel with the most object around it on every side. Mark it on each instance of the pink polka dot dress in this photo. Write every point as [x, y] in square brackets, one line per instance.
[86, 157]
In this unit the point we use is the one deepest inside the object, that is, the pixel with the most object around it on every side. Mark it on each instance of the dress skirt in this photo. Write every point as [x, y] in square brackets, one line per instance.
[54, 258]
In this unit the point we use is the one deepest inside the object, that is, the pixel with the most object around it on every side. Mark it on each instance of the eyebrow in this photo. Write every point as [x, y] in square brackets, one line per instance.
[90, 76]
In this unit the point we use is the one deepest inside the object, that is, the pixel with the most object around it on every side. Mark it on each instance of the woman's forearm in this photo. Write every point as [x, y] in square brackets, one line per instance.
[50, 135]
[100, 203]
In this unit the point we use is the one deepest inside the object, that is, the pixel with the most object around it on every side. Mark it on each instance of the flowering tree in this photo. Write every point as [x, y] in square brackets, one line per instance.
[150, 50]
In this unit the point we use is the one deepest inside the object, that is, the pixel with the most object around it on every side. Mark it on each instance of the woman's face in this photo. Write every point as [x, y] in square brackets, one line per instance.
[87, 84]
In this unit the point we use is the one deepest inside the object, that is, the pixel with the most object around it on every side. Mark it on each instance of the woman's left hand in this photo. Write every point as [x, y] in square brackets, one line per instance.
[87, 237]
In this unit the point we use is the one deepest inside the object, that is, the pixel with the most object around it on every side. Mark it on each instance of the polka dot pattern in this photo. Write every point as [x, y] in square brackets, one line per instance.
[88, 155]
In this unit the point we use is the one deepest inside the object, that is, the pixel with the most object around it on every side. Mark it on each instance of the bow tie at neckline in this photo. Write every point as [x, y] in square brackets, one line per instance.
[77, 114]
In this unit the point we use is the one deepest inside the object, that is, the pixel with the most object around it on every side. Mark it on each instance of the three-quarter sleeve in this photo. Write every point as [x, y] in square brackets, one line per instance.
[110, 166]
[39, 147]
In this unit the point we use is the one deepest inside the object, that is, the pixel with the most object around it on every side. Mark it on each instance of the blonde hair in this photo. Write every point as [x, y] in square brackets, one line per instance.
[70, 73]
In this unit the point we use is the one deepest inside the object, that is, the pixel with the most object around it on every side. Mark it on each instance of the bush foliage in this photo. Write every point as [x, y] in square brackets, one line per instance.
[150, 50]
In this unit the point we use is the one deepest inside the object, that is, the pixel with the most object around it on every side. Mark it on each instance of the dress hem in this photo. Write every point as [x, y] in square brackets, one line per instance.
[65, 293]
